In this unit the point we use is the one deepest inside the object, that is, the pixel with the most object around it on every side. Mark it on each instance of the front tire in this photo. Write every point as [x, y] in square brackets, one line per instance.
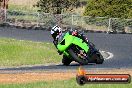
[66, 61]
[77, 59]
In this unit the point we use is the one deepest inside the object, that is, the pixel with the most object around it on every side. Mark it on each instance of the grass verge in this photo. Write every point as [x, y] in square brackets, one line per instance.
[13, 7]
[24, 5]
[63, 84]
[16, 53]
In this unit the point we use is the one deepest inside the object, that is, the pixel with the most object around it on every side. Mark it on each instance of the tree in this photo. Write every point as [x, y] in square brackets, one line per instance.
[109, 8]
[56, 6]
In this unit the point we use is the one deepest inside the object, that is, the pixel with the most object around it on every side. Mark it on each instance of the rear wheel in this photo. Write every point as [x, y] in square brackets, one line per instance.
[66, 61]
[100, 59]
[96, 56]
[80, 60]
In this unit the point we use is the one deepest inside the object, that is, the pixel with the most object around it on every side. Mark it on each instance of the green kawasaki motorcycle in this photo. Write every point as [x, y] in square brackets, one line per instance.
[75, 49]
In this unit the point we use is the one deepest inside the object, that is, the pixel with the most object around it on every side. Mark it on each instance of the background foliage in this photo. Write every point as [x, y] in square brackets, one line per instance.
[56, 6]
[109, 8]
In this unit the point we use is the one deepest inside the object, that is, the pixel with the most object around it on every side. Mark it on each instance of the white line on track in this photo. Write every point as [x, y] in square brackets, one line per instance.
[110, 55]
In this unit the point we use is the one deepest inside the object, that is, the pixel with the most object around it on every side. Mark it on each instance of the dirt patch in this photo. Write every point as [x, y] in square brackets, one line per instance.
[113, 71]
[50, 76]
[33, 77]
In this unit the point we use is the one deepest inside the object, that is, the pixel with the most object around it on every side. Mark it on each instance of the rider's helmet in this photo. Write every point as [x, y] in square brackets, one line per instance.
[56, 31]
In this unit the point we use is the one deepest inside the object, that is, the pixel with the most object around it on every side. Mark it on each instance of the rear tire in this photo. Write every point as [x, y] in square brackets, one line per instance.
[66, 61]
[99, 59]
[77, 59]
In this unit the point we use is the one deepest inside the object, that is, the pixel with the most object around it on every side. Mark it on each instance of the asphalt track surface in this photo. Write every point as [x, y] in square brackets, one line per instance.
[118, 44]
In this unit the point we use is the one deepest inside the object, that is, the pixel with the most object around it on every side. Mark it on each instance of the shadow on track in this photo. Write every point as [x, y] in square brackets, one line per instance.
[73, 66]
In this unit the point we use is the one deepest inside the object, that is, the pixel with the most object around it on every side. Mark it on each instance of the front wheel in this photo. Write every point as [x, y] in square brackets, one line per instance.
[66, 61]
[81, 61]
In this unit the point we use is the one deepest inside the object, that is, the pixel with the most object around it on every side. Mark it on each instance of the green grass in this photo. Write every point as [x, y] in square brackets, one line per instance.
[64, 84]
[13, 7]
[16, 53]
[26, 17]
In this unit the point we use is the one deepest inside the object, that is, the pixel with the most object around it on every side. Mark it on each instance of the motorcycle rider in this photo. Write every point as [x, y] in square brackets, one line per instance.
[56, 32]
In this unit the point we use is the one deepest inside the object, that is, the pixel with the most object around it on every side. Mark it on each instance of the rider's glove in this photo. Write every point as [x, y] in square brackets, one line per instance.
[74, 33]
